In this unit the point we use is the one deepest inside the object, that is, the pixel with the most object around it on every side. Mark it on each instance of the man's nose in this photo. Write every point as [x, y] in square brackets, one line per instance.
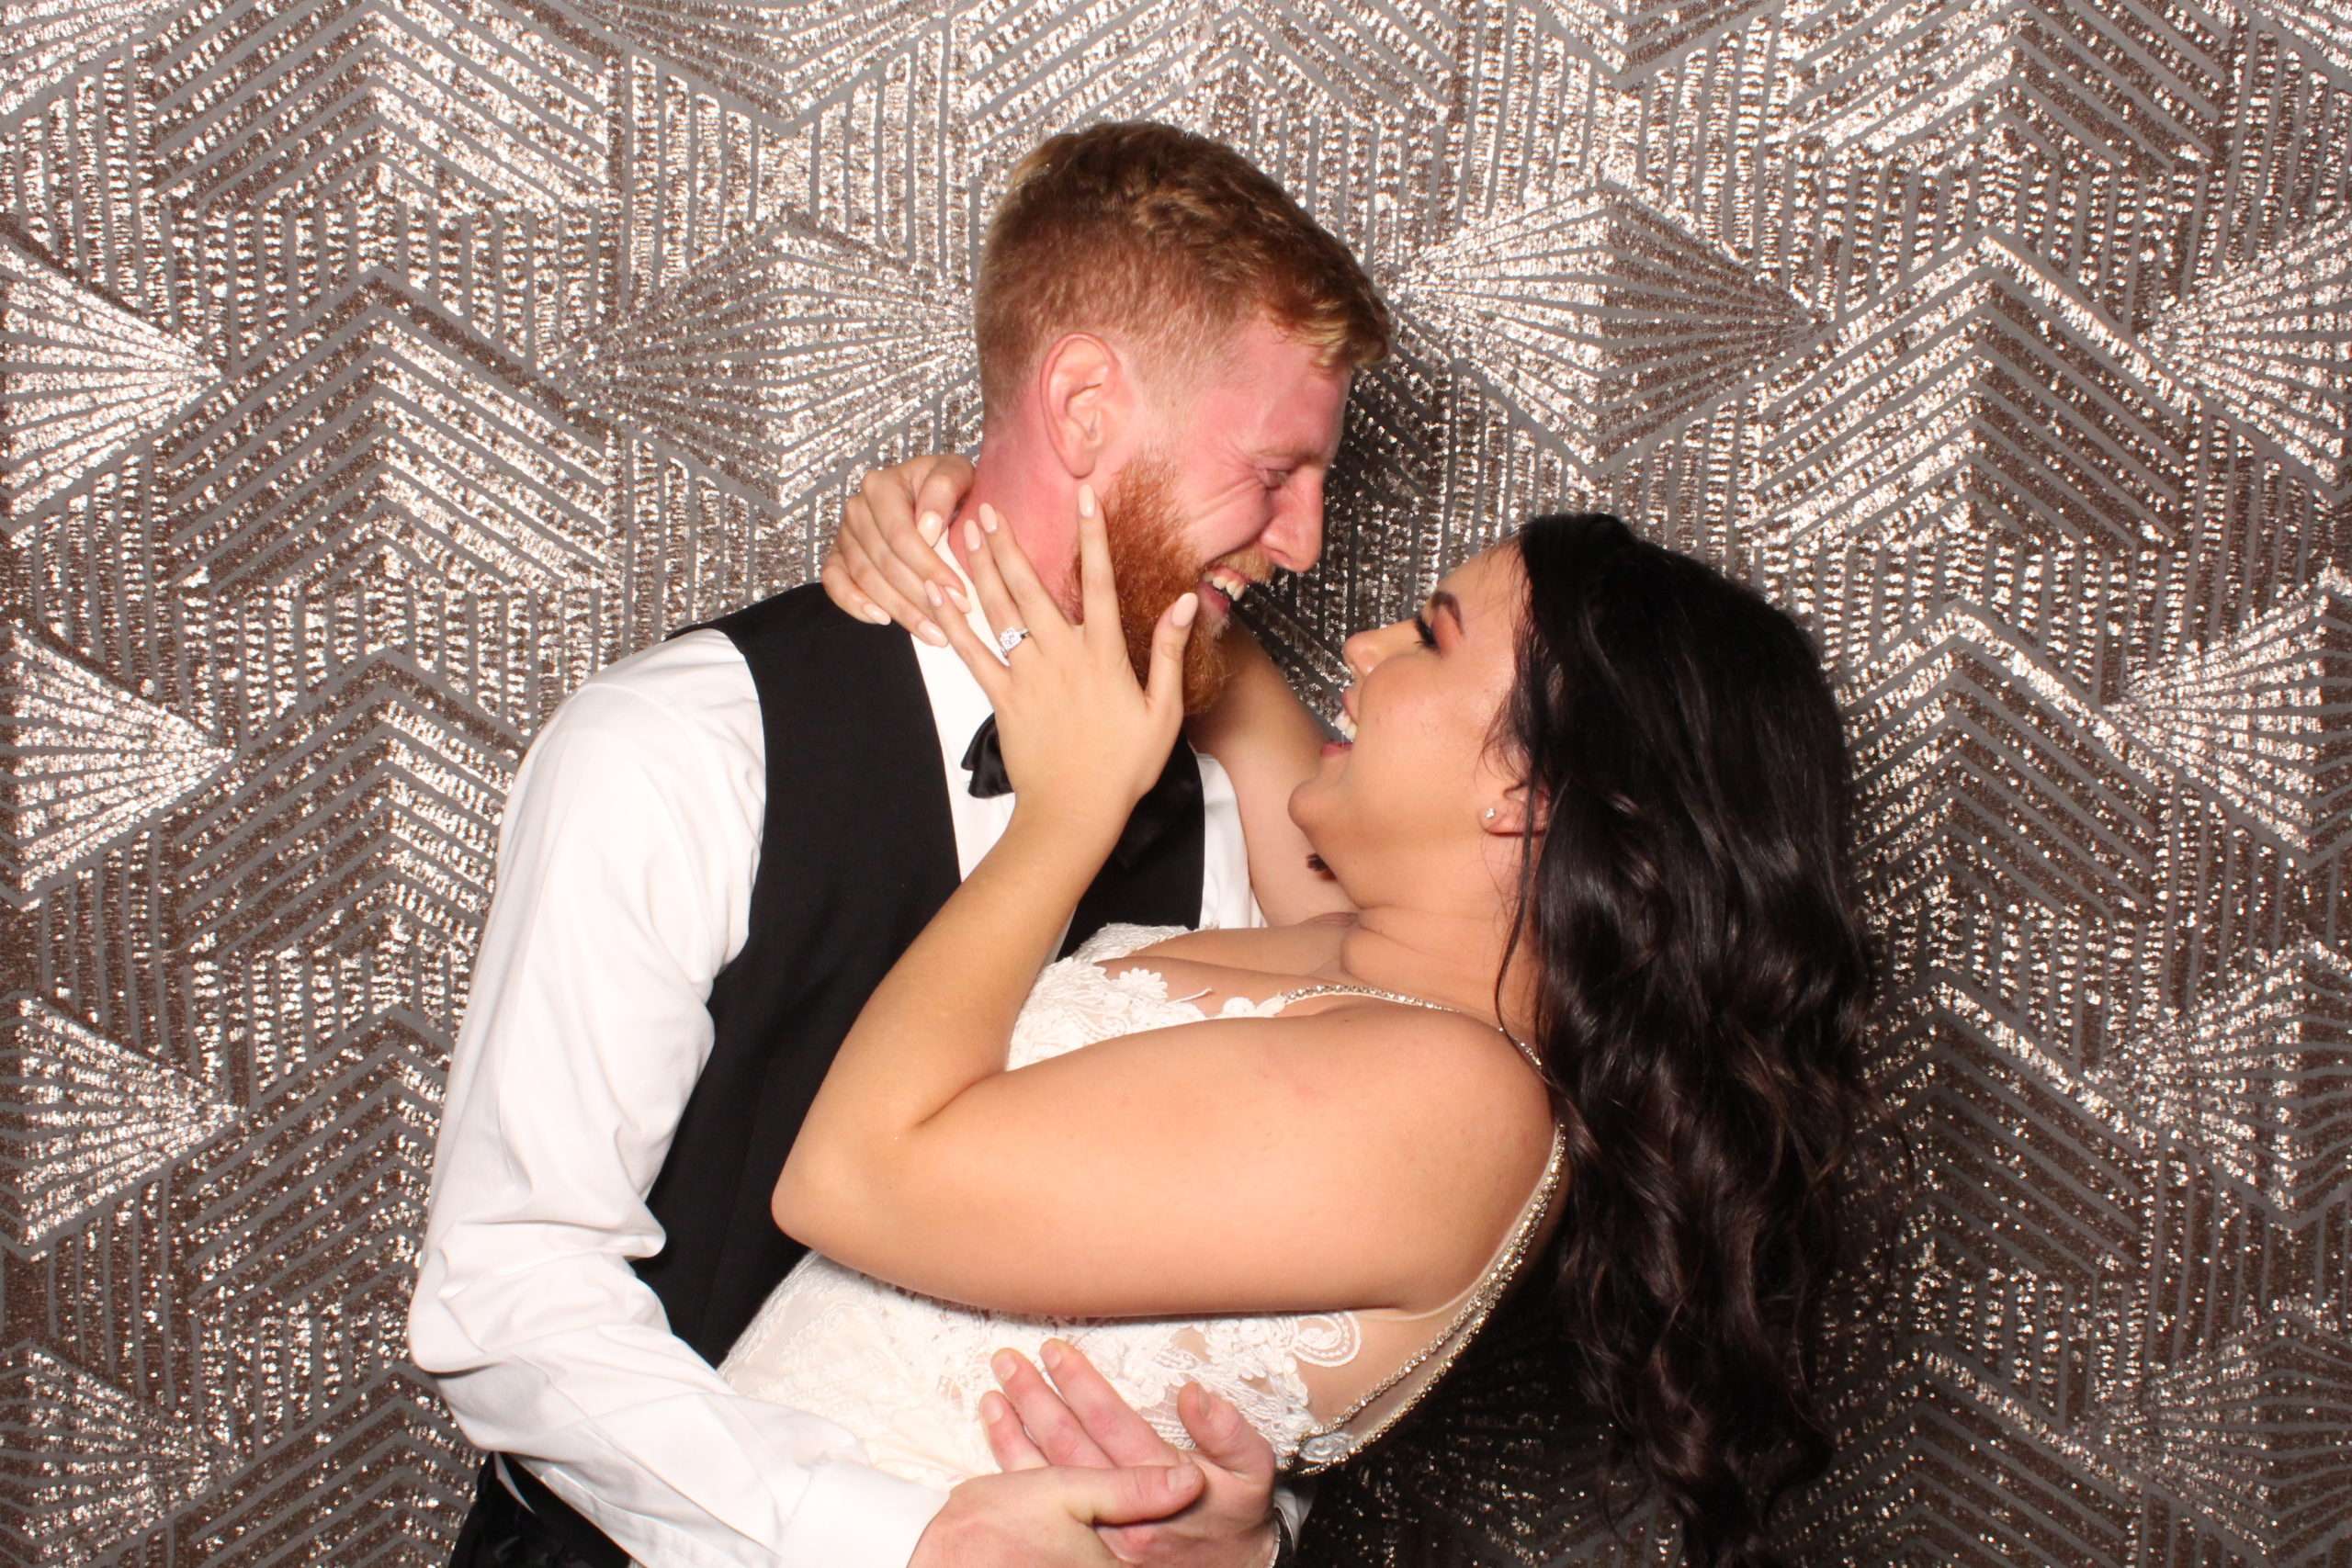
[1294, 536]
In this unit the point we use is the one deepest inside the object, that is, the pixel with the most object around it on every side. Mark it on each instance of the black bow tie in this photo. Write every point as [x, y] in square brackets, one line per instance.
[1175, 793]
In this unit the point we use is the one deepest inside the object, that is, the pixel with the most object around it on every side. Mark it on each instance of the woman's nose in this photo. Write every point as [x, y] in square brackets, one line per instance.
[1368, 647]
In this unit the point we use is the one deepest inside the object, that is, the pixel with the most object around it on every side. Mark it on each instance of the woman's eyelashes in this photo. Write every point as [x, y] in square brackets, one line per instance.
[1421, 625]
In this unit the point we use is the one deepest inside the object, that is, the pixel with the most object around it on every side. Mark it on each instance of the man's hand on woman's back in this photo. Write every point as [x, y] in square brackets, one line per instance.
[1076, 1454]
[1080, 1419]
[1049, 1518]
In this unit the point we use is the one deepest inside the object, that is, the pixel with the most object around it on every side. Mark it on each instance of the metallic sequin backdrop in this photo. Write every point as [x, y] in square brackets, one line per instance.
[376, 369]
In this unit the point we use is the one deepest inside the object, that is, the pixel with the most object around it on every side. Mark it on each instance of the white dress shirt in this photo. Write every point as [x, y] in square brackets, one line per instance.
[624, 886]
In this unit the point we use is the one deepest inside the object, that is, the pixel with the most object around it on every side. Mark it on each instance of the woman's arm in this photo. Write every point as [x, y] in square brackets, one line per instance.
[1347, 1160]
[1268, 744]
[1232, 1166]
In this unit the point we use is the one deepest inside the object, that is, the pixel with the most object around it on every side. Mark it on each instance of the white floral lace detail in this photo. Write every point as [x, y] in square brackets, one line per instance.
[906, 1373]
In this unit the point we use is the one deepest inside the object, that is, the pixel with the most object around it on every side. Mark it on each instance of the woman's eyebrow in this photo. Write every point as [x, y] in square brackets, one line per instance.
[1442, 599]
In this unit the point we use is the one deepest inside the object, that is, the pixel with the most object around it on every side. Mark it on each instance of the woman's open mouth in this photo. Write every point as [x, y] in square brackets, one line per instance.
[1346, 726]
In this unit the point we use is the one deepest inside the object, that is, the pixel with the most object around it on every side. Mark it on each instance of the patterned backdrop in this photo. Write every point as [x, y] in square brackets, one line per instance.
[377, 370]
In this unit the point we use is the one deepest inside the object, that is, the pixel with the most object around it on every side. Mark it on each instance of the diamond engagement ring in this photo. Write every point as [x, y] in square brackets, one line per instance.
[1010, 638]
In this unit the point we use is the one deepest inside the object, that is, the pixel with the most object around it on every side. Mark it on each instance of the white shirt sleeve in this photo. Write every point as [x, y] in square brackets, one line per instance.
[1226, 899]
[623, 880]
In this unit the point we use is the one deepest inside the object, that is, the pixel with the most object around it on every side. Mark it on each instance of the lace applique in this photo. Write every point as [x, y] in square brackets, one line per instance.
[905, 1373]
[1074, 1003]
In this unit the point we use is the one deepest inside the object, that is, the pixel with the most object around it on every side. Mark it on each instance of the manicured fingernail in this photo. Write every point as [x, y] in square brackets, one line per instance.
[989, 519]
[927, 525]
[931, 634]
[1186, 608]
[972, 537]
[878, 614]
[931, 591]
[1086, 500]
[956, 597]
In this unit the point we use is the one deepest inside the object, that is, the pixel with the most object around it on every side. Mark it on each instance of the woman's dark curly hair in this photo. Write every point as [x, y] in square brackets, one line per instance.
[1701, 983]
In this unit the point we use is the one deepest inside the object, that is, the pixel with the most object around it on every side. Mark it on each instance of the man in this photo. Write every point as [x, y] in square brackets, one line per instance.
[718, 847]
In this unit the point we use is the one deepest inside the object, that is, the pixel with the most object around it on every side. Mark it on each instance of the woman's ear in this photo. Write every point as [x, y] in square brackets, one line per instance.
[1508, 817]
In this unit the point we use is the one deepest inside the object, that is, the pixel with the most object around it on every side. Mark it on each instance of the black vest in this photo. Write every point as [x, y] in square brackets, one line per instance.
[857, 851]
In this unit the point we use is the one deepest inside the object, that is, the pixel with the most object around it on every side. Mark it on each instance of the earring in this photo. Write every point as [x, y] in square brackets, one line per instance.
[1490, 814]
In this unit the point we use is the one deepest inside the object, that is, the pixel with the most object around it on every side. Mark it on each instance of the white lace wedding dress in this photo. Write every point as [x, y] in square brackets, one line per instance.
[906, 1373]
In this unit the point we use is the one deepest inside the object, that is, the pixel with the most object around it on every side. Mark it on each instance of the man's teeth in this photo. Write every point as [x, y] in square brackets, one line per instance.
[1232, 584]
[1347, 727]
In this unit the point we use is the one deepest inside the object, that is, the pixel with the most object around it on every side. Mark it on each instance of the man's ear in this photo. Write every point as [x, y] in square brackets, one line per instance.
[1087, 391]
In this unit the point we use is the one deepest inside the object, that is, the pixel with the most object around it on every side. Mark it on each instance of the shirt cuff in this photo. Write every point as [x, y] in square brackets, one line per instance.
[1292, 1496]
[853, 1516]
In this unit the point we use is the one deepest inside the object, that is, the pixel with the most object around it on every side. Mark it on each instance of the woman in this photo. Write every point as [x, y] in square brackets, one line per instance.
[1596, 1019]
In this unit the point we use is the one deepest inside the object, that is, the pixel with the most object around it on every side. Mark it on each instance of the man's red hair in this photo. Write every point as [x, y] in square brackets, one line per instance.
[1155, 237]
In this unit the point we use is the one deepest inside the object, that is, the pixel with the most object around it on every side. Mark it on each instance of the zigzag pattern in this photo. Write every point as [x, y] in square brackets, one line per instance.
[84, 1120]
[84, 377]
[1929, 83]
[2262, 720]
[2273, 341]
[48, 43]
[745, 365]
[1999, 1281]
[372, 370]
[113, 1466]
[378, 438]
[1368, 67]
[1982, 395]
[370, 816]
[1970, 741]
[1031, 66]
[89, 765]
[1598, 318]
[448, 104]
[1631, 38]
[2323, 29]
[362, 1112]
[2257, 1083]
[347, 1498]
[2245, 1433]
[791, 62]
[302, 1300]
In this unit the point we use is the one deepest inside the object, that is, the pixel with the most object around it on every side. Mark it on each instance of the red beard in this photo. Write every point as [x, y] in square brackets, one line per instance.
[1154, 567]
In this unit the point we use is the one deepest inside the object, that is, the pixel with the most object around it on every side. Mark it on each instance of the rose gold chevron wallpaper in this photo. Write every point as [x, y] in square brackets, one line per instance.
[376, 369]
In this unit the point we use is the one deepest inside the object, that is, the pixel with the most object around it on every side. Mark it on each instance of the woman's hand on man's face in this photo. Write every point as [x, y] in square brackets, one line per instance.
[1081, 740]
[882, 555]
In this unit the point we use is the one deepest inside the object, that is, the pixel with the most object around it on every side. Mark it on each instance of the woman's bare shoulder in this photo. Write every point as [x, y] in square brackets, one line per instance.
[1453, 1119]
[1302, 949]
